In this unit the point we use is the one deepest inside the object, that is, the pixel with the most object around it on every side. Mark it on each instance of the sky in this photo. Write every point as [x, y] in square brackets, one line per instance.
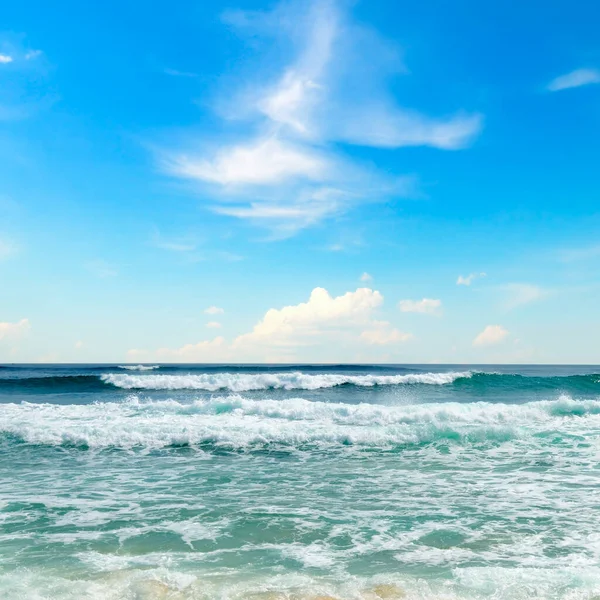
[315, 181]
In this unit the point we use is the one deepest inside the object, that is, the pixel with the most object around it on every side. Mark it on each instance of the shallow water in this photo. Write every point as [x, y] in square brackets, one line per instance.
[299, 482]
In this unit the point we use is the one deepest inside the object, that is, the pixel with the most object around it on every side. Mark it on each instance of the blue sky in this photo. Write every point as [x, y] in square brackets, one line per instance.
[317, 181]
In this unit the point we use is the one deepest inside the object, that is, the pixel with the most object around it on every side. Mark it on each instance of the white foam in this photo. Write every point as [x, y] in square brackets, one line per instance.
[168, 583]
[139, 367]
[242, 422]
[243, 382]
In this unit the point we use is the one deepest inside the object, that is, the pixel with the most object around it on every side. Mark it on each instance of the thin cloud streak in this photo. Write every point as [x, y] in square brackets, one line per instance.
[574, 79]
[519, 294]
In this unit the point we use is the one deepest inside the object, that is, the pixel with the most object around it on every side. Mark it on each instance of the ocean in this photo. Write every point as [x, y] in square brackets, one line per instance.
[179, 482]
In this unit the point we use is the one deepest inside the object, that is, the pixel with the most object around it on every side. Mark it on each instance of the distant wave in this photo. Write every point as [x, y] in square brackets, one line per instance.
[242, 423]
[244, 382]
[477, 384]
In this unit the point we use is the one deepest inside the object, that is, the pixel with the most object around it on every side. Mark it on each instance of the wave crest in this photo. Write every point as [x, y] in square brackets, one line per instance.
[245, 382]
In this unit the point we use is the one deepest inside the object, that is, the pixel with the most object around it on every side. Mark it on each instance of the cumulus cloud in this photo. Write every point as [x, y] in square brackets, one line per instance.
[5, 59]
[575, 79]
[322, 313]
[468, 280]
[14, 330]
[322, 322]
[492, 334]
[329, 85]
[214, 310]
[427, 306]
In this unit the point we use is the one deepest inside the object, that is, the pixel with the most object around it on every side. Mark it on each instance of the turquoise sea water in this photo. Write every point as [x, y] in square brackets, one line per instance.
[363, 482]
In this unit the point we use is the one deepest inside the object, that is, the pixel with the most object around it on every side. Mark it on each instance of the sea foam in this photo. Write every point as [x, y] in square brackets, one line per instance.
[244, 382]
[239, 423]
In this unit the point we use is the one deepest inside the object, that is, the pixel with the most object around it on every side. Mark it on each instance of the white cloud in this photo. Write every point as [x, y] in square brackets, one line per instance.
[393, 128]
[310, 207]
[522, 293]
[427, 306]
[383, 335]
[283, 170]
[322, 313]
[366, 277]
[323, 323]
[492, 334]
[214, 310]
[574, 79]
[14, 329]
[263, 162]
[468, 280]
[5, 59]
[311, 98]
[78, 345]
[213, 325]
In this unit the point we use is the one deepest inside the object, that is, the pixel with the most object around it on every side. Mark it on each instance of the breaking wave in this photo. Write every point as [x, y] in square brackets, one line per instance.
[245, 382]
[242, 423]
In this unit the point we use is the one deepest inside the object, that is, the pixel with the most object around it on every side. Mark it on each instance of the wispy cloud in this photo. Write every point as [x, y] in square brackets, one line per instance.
[426, 306]
[214, 310]
[366, 277]
[468, 280]
[518, 294]
[574, 79]
[491, 335]
[282, 170]
[192, 248]
[213, 325]
[5, 59]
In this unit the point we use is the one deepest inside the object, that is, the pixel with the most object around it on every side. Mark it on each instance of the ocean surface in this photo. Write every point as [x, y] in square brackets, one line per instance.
[299, 482]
